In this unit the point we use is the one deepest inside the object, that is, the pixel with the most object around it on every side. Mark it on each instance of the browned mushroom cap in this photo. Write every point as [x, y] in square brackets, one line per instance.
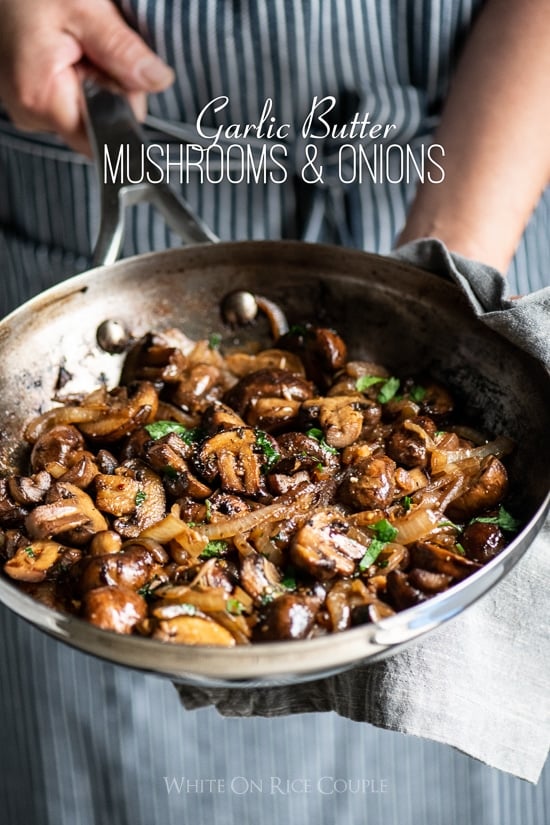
[68, 511]
[198, 629]
[430, 556]
[369, 484]
[401, 593]
[321, 350]
[259, 577]
[114, 608]
[341, 417]
[486, 491]
[322, 547]
[40, 559]
[482, 541]
[168, 456]
[132, 568]
[201, 386]
[149, 502]
[218, 417]
[29, 489]
[343, 598]
[289, 616]
[82, 469]
[104, 543]
[53, 447]
[240, 363]
[428, 581]
[272, 384]
[124, 410]
[303, 452]
[408, 446]
[273, 414]
[345, 380]
[11, 512]
[237, 458]
[151, 359]
[437, 401]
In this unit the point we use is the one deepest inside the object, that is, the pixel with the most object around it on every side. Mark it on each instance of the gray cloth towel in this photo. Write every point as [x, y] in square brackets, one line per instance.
[480, 683]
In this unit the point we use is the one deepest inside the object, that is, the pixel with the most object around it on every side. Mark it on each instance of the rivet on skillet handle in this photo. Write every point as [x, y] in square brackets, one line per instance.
[111, 123]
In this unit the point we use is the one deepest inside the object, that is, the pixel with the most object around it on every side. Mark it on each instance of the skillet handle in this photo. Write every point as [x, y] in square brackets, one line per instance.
[120, 152]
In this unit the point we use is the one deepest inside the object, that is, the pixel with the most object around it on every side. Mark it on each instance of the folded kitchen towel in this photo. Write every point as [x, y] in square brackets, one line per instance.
[481, 682]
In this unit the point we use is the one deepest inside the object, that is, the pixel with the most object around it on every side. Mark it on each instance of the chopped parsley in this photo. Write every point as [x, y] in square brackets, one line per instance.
[504, 520]
[299, 329]
[147, 590]
[448, 523]
[317, 434]
[406, 503]
[234, 606]
[170, 472]
[388, 390]
[374, 549]
[141, 496]
[208, 508]
[384, 530]
[460, 549]
[30, 552]
[289, 583]
[418, 394]
[271, 454]
[158, 429]
[215, 340]
[439, 433]
[213, 549]
[366, 381]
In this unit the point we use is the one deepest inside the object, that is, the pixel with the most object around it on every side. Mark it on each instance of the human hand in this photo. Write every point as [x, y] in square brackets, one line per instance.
[46, 46]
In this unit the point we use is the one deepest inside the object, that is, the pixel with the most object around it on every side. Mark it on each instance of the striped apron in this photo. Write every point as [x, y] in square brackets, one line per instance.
[83, 742]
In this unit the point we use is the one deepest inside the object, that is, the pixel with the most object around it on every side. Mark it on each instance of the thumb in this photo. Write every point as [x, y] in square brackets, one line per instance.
[117, 50]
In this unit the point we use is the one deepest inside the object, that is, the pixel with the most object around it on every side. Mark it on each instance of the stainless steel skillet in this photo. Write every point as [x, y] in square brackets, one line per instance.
[386, 310]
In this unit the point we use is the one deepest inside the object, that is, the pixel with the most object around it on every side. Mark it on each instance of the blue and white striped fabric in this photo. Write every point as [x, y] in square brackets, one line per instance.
[83, 742]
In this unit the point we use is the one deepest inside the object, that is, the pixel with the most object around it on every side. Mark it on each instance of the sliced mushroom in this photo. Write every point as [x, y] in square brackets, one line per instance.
[407, 446]
[114, 608]
[428, 581]
[237, 458]
[486, 491]
[202, 385]
[52, 449]
[437, 401]
[268, 384]
[323, 549]
[116, 494]
[321, 350]
[149, 502]
[289, 616]
[82, 469]
[340, 417]
[303, 452]
[69, 512]
[273, 414]
[198, 629]
[11, 513]
[430, 556]
[218, 417]
[38, 560]
[401, 593]
[27, 490]
[152, 359]
[168, 456]
[369, 484]
[241, 363]
[259, 576]
[343, 598]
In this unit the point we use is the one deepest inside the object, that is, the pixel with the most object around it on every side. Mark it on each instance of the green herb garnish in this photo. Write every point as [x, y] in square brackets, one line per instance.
[215, 340]
[383, 563]
[388, 390]
[213, 549]
[267, 448]
[406, 503]
[448, 523]
[384, 530]
[439, 432]
[208, 508]
[375, 548]
[147, 590]
[460, 549]
[504, 520]
[366, 381]
[289, 583]
[141, 495]
[317, 434]
[170, 472]
[29, 551]
[234, 606]
[158, 429]
[418, 394]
